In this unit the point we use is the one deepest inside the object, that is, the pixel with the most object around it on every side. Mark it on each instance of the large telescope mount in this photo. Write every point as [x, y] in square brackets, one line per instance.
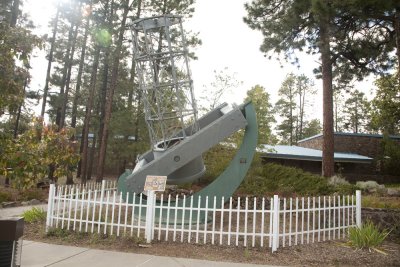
[178, 137]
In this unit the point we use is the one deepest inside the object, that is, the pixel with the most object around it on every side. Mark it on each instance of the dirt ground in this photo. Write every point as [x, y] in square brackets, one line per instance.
[318, 254]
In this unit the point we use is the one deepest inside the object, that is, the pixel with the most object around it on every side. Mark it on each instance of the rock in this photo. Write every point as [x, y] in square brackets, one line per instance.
[393, 192]
[9, 204]
[34, 202]
[25, 203]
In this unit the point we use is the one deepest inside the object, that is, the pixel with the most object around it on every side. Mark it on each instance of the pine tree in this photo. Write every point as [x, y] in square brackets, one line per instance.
[265, 118]
[336, 30]
[356, 112]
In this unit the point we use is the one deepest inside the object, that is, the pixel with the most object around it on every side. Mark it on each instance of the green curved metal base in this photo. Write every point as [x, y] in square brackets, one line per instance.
[225, 184]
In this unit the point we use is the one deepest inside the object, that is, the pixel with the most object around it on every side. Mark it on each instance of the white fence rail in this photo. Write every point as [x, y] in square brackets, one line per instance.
[261, 222]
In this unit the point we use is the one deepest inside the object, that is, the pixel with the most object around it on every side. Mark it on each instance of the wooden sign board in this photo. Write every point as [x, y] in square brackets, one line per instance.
[155, 183]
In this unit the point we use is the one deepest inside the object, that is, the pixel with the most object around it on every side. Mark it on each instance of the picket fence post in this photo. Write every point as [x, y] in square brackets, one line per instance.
[50, 203]
[358, 208]
[275, 224]
[150, 207]
[103, 188]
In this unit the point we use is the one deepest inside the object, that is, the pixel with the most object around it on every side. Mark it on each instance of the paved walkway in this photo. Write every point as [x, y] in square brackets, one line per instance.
[17, 211]
[37, 254]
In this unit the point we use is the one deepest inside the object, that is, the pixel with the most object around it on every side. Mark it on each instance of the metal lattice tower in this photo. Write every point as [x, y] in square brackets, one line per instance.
[178, 137]
[162, 64]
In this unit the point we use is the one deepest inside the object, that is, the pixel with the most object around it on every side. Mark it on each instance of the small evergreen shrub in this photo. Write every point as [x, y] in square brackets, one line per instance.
[5, 196]
[368, 236]
[280, 179]
[30, 194]
[337, 180]
[34, 215]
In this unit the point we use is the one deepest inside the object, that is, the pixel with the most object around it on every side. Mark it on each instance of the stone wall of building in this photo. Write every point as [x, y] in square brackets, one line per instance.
[362, 145]
[314, 143]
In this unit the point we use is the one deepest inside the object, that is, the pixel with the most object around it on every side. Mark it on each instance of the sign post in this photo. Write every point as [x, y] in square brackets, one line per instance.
[152, 184]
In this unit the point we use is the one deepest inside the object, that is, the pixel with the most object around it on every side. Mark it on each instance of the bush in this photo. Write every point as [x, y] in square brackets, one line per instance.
[5, 196]
[26, 159]
[337, 180]
[34, 215]
[217, 160]
[276, 178]
[367, 237]
[30, 194]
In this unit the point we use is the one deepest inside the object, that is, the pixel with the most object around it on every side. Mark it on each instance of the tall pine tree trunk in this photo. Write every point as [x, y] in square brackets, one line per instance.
[110, 94]
[397, 37]
[14, 13]
[103, 95]
[302, 104]
[50, 60]
[68, 79]
[109, 11]
[80, 72]
[16, 126]
[78, 87]
[64, 76]
[291, 115]
[328, 165]
[86, 124]
[89, 168]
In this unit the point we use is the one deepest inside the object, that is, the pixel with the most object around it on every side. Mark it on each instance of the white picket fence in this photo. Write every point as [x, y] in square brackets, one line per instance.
[272, 222]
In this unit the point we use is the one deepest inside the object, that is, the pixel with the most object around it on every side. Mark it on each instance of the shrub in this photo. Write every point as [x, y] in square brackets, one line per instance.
[369, 185]
[26, 159]
[5, 196]
[373, 201]
[29, 194]
[276, 178]
[337, 180]
[34, 215]
[345, 189]
[368, 236]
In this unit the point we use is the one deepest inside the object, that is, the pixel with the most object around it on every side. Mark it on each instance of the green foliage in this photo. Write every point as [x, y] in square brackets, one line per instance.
[380, 202]
[58, 232]
[362, 44]
[34, 215]
[391, 156]
[217, 159]
[341, 185]
[386, 105]
[271, 178]
[274, 178]
[17, 43]
[25, 160]
[367, 236]
[291, 107]
[5, 196]
[312, 127]
[33, 193]
[261, 100]
[357, 112]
